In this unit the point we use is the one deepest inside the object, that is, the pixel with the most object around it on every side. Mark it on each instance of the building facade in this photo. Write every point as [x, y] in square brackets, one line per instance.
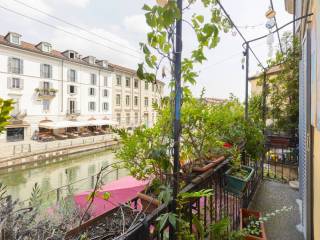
[49, 85]
[308, 31]
[134, 99]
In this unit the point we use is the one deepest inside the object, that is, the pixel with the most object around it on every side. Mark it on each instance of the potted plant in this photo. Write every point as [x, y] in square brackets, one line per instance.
[237, 177]
[144, 153]
[249, 222]
[252, 222]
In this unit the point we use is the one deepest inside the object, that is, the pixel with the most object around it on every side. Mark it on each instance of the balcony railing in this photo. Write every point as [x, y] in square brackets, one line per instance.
[208, 209]
[46, 93]
[72, 112]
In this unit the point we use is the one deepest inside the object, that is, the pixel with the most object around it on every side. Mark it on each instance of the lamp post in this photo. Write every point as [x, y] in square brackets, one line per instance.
[177, 112]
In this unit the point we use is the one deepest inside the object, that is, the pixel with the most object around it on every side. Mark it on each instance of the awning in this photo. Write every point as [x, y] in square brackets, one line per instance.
[69, 124]
[62, 124]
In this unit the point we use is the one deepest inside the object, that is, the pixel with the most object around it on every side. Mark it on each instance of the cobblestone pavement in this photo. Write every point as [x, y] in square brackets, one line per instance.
[274, 195]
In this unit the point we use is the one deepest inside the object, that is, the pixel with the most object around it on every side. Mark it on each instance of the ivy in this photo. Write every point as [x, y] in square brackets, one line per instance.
[5, 108]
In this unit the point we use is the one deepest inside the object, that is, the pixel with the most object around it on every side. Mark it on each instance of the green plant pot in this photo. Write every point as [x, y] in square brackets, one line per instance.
[235, 184]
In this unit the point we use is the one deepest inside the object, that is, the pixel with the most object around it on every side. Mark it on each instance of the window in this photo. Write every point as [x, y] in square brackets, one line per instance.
[146, 102]
[118, 99]
[15, 134]
[118, 80]
[127, 100]
[105, 92]
[72, 107]
[93, 79]
[136, 118]
[15, 65]
[128, 118]
[92, 106]
[71, 55]
[46, 47]
[92, 91]
[45, 105]
[105, 81]
[15, 39]
[72, 89]
[136, 100]
[15, 83]
[45, 71]
[105, 106]
[136, 83]
[146, 85]
[119, 118]
[128, 82]
[72, 75]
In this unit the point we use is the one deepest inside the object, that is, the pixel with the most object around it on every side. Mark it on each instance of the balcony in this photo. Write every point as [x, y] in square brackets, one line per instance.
[46, 93]
[73, 113]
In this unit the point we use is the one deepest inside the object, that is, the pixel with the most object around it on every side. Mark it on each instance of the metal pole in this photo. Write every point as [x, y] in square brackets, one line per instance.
[294, 18]
[264, 99]
[177, 114]
[247, 82]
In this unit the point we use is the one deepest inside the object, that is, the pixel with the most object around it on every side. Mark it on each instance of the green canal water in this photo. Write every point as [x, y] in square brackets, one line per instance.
[75, 171]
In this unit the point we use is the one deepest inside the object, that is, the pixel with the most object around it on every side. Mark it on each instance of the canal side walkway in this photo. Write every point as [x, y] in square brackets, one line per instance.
[27, 152]
[271, 196]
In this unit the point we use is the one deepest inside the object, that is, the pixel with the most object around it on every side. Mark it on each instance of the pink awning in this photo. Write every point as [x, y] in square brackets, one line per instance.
[121, 191]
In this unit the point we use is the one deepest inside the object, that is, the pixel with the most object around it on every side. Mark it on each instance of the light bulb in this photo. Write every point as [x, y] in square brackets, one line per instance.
[162, 3]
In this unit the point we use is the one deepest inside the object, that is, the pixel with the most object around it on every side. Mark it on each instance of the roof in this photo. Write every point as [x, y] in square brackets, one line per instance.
[54, 53]
[271, 71]
[57, 54]
[214, 100]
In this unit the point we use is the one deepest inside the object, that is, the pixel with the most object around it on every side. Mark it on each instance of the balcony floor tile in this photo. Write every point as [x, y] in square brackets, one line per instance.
[274, 195]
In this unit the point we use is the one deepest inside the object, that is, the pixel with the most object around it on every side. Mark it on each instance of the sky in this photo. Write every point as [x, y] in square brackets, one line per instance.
[117, 26]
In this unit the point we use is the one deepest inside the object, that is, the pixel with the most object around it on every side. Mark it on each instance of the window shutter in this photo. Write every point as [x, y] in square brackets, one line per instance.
[21, 83]
[75, 89]
[41, 70]
[75, 106]
[89, 91]
[75, 76]
[89, 106]
[10, 64]
[21, 67]
[50, 85]
[50, 71]
[9, 83]
[68, 74]
[68, 89]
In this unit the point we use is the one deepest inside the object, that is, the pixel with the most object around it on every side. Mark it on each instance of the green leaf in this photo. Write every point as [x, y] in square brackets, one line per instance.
[106, 196]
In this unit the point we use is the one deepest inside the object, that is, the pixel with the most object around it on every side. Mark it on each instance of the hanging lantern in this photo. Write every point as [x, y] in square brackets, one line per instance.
[242, 62]
[162, 3]
[270, 24]
[270, 13]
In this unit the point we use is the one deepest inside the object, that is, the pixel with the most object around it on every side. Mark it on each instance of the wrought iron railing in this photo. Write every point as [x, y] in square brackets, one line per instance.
[281, 160]
[211, 209]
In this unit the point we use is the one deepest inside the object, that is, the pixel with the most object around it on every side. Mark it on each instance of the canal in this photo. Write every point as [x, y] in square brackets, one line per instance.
[72, 174]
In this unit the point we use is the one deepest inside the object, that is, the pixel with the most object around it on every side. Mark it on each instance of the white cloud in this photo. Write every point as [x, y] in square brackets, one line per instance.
[78, 3]
[135, 23]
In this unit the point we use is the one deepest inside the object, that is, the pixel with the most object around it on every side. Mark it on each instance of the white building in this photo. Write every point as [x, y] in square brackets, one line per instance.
[48, 85]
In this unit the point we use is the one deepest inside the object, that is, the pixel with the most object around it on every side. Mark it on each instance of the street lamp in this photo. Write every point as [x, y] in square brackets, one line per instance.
[162, 3]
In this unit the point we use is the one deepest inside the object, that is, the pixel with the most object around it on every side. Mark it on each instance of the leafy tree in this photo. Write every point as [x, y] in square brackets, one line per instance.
[283, 88]
[5, 108]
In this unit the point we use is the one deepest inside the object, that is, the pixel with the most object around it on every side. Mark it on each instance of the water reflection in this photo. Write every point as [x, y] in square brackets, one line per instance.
[56, 175]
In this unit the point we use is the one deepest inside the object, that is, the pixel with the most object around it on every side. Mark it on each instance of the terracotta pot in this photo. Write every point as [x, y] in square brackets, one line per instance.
[246, 213]
[149, 204]
[210, 165]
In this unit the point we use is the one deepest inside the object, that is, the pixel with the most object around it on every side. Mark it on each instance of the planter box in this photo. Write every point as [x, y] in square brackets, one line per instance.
[149, 204]
[210, 165]
[93, 226]
[246, 213]
[235, 184]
